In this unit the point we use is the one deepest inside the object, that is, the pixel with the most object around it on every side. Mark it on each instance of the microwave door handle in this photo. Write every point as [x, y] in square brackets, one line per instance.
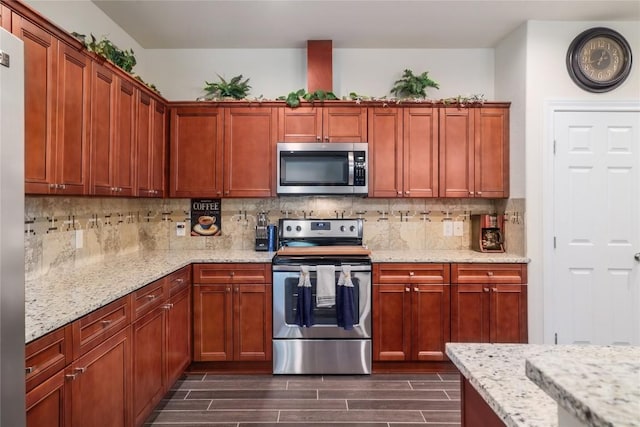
[351, 167]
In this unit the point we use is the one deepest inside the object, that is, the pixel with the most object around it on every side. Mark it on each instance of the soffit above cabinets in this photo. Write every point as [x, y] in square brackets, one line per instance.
[446, 24]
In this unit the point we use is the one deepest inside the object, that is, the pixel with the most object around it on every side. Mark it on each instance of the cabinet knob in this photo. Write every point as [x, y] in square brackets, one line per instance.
[106, 323]
[407, 289]
[29, 369]
[411, 273]
[236, 290]
[326, 138]
[167, 306]
[62, 186]
[151, 297]
[228, 289]
[479, 193]
[415, 289]
[80, 370]
[489, 273]
[485, 289]
[219, 193]
[71, 376]
[53, 185]
[407, 192]
[180, 280]
[318, 138]
[471, 193]
[233, 273]
[399, 193]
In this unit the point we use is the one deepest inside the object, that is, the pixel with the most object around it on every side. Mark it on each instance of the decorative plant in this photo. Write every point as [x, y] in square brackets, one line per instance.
[293, 99]
[412, 86]
[234, 88]
[124, 59]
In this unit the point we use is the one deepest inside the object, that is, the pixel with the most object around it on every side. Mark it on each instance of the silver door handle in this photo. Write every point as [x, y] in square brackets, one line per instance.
[637, 256]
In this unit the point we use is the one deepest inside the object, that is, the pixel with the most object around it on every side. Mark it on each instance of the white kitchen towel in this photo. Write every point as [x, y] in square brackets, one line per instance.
[325, 286]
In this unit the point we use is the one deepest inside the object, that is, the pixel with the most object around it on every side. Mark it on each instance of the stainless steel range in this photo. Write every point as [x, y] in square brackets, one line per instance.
[321, 298]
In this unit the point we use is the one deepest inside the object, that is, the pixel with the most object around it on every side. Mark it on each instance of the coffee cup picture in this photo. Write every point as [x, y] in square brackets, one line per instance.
[206, 221]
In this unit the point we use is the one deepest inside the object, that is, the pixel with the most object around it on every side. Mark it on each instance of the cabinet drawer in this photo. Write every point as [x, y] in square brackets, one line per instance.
[95, 327]
[489, 273]
[47, 355]
[232, 273]
[179, 280]
[146, 299]
[411, 273]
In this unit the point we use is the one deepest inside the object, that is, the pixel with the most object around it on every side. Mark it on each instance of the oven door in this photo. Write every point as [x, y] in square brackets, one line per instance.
[285, 299]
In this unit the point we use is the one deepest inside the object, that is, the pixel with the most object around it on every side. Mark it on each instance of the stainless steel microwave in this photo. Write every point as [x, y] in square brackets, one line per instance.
[323, 168]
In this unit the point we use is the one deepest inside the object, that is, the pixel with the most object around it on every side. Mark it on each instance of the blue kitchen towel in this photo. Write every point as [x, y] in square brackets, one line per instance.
[345, 301]
[304, 307]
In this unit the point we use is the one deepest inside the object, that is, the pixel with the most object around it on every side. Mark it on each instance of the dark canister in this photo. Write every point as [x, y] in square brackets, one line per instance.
[272, 238]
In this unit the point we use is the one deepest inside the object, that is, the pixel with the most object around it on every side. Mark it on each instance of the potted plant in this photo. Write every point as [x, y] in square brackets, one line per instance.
[293, 99]
[235, 88]
[412, 86]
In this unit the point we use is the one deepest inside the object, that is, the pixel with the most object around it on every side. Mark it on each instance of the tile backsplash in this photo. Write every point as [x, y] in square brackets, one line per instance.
[64, 232]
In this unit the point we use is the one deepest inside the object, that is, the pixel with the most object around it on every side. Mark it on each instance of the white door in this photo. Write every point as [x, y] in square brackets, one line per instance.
[596, 181]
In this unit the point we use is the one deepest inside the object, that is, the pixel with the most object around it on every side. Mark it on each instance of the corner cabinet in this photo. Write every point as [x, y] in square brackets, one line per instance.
[322, 124]
[474, 152]
[232, 312]
[489, 303]
[410, 312]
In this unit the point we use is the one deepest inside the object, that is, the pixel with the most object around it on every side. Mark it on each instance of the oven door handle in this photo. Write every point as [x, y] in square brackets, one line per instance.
[354, 268]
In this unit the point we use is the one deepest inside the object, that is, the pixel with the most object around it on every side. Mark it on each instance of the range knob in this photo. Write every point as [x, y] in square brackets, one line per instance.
[352, 228]
[298, 228]
[342, 228]
[288, 228]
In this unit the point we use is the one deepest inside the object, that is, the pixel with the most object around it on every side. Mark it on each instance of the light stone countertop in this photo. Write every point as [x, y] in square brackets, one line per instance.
[60, 297]
[591, 379]
[599, 385]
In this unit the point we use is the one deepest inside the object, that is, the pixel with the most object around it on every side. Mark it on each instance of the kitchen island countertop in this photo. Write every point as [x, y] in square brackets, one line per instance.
[499, 373]
[62, 296]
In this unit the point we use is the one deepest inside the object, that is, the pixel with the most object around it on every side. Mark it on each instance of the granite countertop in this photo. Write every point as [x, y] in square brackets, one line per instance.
[60, 297]
[598, 385]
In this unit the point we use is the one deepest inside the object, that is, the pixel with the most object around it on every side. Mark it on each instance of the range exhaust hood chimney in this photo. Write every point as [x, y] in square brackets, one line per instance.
[319, 65]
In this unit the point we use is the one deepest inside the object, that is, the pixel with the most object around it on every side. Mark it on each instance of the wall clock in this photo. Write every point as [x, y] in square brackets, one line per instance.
[599, 59]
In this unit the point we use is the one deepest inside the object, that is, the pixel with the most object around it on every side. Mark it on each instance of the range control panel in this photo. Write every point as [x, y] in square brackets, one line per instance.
[320, 228]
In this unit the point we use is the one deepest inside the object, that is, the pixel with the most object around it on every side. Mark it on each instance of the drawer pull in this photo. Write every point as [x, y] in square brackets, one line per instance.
[489, 273]
[71, 376]
[106, 323]
[151, 297]
[180, 280]
[416, 289]
[407, 289]
[411, 273]
[485, 289]
[167, 306]
[233, 273]
[29, 370]
[80, 370]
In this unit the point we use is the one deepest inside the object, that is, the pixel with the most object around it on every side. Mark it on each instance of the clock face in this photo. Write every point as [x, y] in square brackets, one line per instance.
[599, 59]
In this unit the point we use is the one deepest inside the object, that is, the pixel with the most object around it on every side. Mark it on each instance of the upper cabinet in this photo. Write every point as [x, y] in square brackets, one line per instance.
[56, 112]
[5, 17]
[196, 151]
[219, 152]
[474, 152]
[322, 124]
[420, 153]
[151, 137]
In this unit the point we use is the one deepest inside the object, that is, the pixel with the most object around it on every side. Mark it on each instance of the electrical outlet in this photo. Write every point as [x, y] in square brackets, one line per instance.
[181, 229]
[458, 228]
[79, 239]
[447, 228]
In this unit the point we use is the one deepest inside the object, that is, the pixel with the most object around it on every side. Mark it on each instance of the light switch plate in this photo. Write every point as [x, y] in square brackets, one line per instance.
[447, 228]
[181, 229]
[458, 228]
[79, 239]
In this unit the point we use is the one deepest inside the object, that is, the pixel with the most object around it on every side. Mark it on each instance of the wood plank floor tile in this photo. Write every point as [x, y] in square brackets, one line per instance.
[349, 416]
[442, 416]
[383, 394]
[403, 404]
[435, 385]
[204, 417]
[229, 385]
[253, 394]
[350, 385]
[246, 404]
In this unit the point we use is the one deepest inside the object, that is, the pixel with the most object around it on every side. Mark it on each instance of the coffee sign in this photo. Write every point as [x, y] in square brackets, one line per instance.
[205, 217]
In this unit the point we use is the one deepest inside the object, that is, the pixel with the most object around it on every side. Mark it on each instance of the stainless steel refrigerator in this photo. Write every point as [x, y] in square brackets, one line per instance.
[12, 384]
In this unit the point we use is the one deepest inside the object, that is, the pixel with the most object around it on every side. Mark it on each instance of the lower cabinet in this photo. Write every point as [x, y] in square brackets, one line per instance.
[46, 403]
[232, 312]
[410, 312]
[489, 303]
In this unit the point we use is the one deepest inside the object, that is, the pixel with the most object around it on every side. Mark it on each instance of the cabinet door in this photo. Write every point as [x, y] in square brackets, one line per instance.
[391, 322]
[101, 388]
[178, 335]
[457, 152]
[212, 323]
[47, 355]
[508, 314]
[5, 17]
[158, 163]
[430, 321]
[48, 404]
[249, 152]
[252, 322]
[344, 124]
[385, 152]
[103, 94]
[301, 124]
[420, 173]
[196, 152]
[148, 338]
[72, 110]
[470, 316]
[144, 144]
[491, 152]
[124, 161]
[40, 64]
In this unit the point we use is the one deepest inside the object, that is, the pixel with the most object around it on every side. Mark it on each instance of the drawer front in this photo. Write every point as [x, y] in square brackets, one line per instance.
[232, 273]
[411, 273]
[146, 299]
[95, 327]
[489, 273]
[47, 355]
[179, 280]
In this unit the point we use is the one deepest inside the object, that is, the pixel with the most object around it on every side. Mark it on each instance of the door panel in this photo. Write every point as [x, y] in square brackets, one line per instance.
[420, 152]
[392, 322]
[596, 296]
[385, 152]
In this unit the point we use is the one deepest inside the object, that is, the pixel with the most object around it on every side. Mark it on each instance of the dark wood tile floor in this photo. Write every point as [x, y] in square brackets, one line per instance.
[379, 400]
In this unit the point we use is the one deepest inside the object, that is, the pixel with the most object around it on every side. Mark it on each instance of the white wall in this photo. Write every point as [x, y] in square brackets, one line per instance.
[547, 80]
